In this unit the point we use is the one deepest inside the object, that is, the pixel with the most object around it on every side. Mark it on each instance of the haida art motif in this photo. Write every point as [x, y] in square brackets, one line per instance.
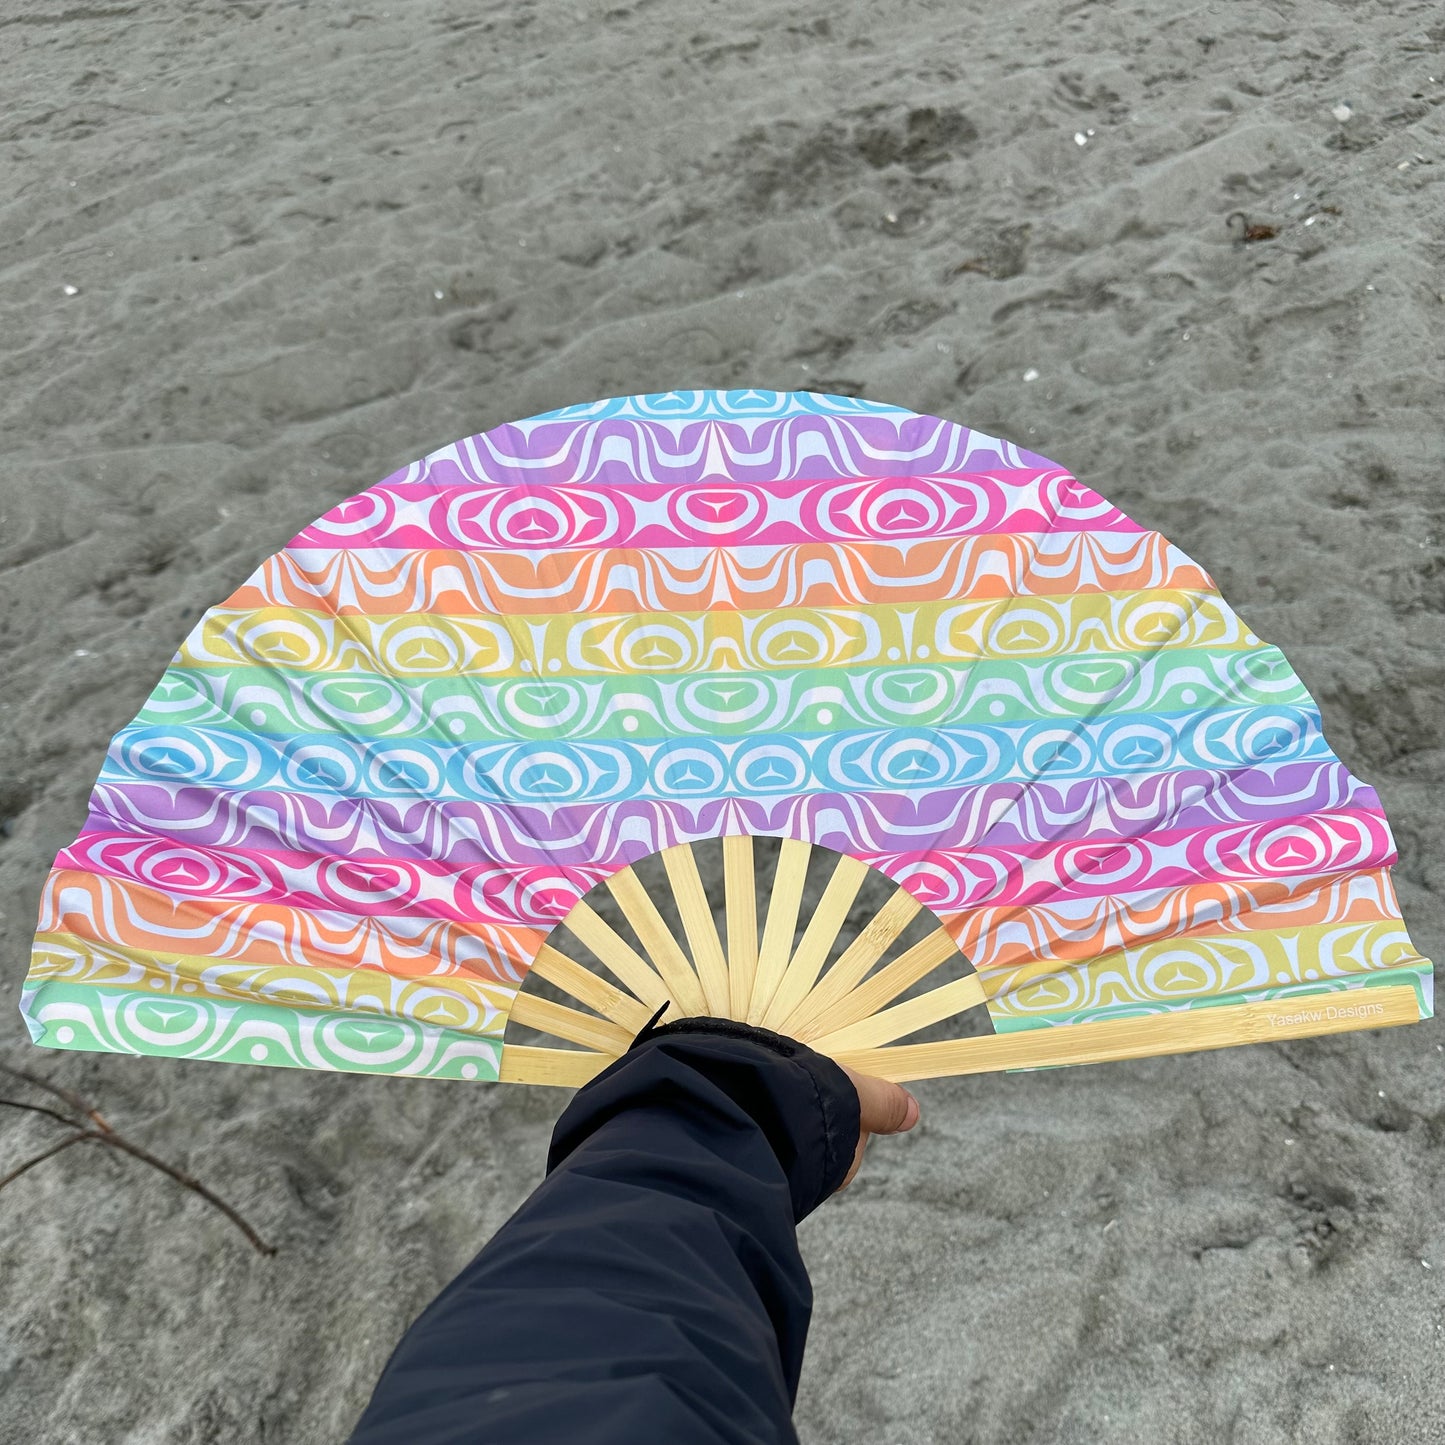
[374, 778]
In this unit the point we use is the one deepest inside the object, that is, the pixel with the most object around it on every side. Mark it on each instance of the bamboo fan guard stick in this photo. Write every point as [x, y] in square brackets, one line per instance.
[560, 1068]
[1190, 1031]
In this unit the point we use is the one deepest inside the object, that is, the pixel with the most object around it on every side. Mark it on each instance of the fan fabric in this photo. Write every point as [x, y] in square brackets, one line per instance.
[375, 777]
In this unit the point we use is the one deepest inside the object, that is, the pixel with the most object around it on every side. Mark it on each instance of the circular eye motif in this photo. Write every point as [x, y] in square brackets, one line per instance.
[182, 869]
[442, 1008]
[534, 523]
[548, 895]
[1019, 631]
[909, 692]
[1089, 681]
[164, 1023]
[1290, 850]
[1138, 747]
[909, 510]
[543, 705]
[688, 771]
[322, 767]
[1181, 973]
[366, 883]
[281, 642]
[730, 700]
[1271, 737]
[1059, 751]
[548, 775]
[792, 642]
[657, 647]
[729, 512]
[1103, 865]
[404, 770]
[903, 508]
[1073, 501]
[1059, 992]
[367, 1043]
[912, 762]
[362, 702]
[368, 511]
[167, 756]
[773, 770]
[1152, 624]
[423, 649]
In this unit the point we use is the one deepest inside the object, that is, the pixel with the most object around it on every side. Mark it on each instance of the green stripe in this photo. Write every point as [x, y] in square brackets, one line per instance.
[281, 703]
[1417, 977]
[62, 1015]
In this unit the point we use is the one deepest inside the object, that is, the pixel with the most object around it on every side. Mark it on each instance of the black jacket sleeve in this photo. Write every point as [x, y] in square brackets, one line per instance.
[651, 1289]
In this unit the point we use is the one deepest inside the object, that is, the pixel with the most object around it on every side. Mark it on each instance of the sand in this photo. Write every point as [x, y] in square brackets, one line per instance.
[310, 242]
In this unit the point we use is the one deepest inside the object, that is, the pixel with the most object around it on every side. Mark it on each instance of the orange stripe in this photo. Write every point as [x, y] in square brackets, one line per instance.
[1008, 937]
[814, 574]
[120, 911]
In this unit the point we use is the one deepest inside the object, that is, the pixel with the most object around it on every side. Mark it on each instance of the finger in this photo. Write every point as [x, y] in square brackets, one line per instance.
[883, 1107]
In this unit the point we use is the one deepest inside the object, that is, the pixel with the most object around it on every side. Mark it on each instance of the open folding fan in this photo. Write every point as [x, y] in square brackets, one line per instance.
[372, 781]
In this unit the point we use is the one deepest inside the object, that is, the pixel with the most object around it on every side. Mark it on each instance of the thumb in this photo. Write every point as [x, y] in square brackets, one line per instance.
[883, 1107]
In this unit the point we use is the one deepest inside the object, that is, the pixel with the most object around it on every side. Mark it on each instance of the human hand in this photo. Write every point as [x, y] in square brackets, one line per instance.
[883, 1108]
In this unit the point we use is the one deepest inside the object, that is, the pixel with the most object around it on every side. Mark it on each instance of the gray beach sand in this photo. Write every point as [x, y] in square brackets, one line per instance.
[310, 242]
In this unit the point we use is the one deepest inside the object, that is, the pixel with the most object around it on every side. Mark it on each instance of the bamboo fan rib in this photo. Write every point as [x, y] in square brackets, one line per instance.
[819, 936]
[856, 1010]
[701, 931]
[885, 985]
[740, 892]
[662, 948]
[626, 964]
[733, 974]
[777, 945]
[850, 970]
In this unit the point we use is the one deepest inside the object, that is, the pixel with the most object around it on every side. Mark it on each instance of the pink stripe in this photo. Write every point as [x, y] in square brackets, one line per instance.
[1316, 846]
[488, 893]
[946, 880]
[731, 514]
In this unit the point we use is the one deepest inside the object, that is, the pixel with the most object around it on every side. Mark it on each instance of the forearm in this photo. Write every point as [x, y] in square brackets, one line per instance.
[652, 1287]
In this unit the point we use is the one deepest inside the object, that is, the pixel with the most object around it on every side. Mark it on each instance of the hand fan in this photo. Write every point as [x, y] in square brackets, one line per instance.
[460, 708]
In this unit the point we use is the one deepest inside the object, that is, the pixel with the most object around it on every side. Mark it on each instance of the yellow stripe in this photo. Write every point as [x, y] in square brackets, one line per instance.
[430, 645]
[451, 1001]
[1176, 970]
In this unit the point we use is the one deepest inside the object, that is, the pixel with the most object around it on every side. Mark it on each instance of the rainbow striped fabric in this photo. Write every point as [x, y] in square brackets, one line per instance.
[374, 778]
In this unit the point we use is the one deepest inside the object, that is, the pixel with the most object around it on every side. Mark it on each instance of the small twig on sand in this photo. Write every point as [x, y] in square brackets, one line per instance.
[77, 1138]
[38, 1109]
[66, 1096]
[103, 1133]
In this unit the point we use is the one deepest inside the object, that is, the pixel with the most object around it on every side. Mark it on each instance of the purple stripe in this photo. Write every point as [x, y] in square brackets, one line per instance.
[996, 815]
[801, 446]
